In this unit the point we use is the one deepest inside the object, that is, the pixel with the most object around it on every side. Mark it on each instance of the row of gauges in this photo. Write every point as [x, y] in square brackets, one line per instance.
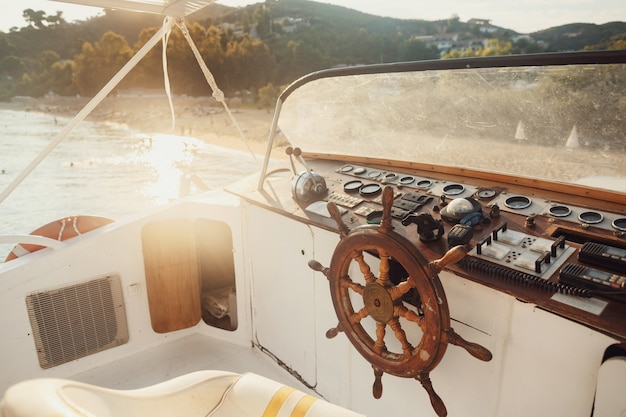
[392, 178]
[588, 217]
[525, 205]
[385, 177]
[514, 203]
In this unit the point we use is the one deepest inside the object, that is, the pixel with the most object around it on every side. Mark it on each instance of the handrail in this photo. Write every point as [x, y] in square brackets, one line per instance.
[32, 240]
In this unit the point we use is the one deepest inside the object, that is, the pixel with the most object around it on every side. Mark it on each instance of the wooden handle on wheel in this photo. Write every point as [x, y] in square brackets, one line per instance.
[336, 215]
[452, 256]
[474, 349]
[316, 266]
[435, 399]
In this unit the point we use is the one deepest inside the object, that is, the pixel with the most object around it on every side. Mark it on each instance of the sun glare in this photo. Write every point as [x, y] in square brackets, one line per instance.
[166, 156]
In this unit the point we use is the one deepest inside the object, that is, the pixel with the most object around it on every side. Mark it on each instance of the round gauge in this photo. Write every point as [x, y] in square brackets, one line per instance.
[373, 174]
[486, 194]
[359, 171]
[424, 183]
[347, 168]
[369, 190]
[390, 176]
[590, 217]
[619, 224]
[517, 202]
[453, 189]
[560, 211]
[406, 180]
[352, 186]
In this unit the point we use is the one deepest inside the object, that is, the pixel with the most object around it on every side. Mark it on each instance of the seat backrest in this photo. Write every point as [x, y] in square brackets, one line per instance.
[256, 396]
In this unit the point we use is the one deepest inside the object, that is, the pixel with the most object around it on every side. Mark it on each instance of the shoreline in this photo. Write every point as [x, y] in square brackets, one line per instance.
[200, 117]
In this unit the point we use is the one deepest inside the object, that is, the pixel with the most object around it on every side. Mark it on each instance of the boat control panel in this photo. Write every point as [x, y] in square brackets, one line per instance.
[569, 258]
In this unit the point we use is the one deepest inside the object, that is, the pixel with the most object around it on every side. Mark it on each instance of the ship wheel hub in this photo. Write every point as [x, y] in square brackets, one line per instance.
[378, 302]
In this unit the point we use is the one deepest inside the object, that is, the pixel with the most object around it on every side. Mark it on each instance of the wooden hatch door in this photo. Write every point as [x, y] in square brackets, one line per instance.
[172, 275]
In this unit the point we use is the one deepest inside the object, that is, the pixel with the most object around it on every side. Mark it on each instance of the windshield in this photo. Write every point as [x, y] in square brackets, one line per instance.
[559, 122]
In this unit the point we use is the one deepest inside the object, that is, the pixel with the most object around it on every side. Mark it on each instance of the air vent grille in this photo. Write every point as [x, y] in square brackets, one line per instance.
[76, 321]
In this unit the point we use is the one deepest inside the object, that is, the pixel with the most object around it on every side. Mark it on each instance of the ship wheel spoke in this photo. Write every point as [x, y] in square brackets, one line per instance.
[407, 348]
[401, 311]
[383, 269]
[379, 346]
[363, 266]
[358, 316]
[346, 282]
[399, 290]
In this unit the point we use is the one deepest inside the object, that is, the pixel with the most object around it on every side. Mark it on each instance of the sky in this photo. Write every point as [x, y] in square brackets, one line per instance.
[524, 16]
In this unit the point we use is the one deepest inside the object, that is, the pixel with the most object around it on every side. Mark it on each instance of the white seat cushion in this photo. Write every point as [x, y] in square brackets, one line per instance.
[198, 394]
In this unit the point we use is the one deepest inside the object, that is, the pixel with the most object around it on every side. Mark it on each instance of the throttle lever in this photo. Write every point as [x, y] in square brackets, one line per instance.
[289, 152]
[297, 152]
[429, 229]
[307, 186]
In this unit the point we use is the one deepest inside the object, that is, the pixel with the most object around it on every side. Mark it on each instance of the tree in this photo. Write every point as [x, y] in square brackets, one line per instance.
[47, 74]
[12, 66]
[61, 78]
[268, 95]
[494, 47]
[245, 21]
[249, 64]
[263, 21]
[97, 63]
[39, 20]
[56, 19]
[413, 49]
[302, 58]
[35, 19]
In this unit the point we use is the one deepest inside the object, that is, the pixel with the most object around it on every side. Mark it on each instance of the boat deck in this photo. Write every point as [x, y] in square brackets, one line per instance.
[182, 356]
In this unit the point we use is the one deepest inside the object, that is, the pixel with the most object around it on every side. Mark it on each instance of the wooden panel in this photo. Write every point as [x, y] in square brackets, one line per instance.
[172, 275]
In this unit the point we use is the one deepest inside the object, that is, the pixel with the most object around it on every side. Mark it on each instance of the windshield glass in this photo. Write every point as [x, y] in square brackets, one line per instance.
[563, 123]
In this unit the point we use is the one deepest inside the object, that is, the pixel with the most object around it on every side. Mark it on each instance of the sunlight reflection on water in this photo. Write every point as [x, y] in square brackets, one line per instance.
[101, 169]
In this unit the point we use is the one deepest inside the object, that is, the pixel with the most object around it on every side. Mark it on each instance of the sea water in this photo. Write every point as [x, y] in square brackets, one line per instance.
[100, 169]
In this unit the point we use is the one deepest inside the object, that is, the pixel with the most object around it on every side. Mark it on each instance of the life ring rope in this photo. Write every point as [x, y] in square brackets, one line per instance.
[74, 220]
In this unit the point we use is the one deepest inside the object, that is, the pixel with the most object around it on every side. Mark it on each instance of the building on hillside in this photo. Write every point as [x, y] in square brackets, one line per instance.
[442, 41]
[445, 42]
[484, 25]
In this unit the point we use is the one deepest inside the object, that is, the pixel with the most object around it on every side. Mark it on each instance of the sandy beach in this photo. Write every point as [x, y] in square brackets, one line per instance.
[200, 117]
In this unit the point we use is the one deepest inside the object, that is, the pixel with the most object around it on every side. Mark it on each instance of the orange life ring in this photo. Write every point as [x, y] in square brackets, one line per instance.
[61, 229]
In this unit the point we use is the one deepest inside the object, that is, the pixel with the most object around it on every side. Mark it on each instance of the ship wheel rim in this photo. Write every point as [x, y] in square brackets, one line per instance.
[427, 354]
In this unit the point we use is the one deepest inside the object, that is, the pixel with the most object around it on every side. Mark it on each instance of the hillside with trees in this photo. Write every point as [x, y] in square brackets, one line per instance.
[253, 49]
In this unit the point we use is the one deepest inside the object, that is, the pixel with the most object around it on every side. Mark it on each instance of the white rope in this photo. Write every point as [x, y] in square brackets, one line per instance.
[78, 233]
[217, 93]
[86, 110]
[62, 229]
[168, 90]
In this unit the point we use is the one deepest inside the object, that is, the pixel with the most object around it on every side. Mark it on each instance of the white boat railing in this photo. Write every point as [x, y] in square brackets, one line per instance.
[32, 240]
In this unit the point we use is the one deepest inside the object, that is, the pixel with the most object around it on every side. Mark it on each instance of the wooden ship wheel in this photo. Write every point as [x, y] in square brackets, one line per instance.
[370, 308]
